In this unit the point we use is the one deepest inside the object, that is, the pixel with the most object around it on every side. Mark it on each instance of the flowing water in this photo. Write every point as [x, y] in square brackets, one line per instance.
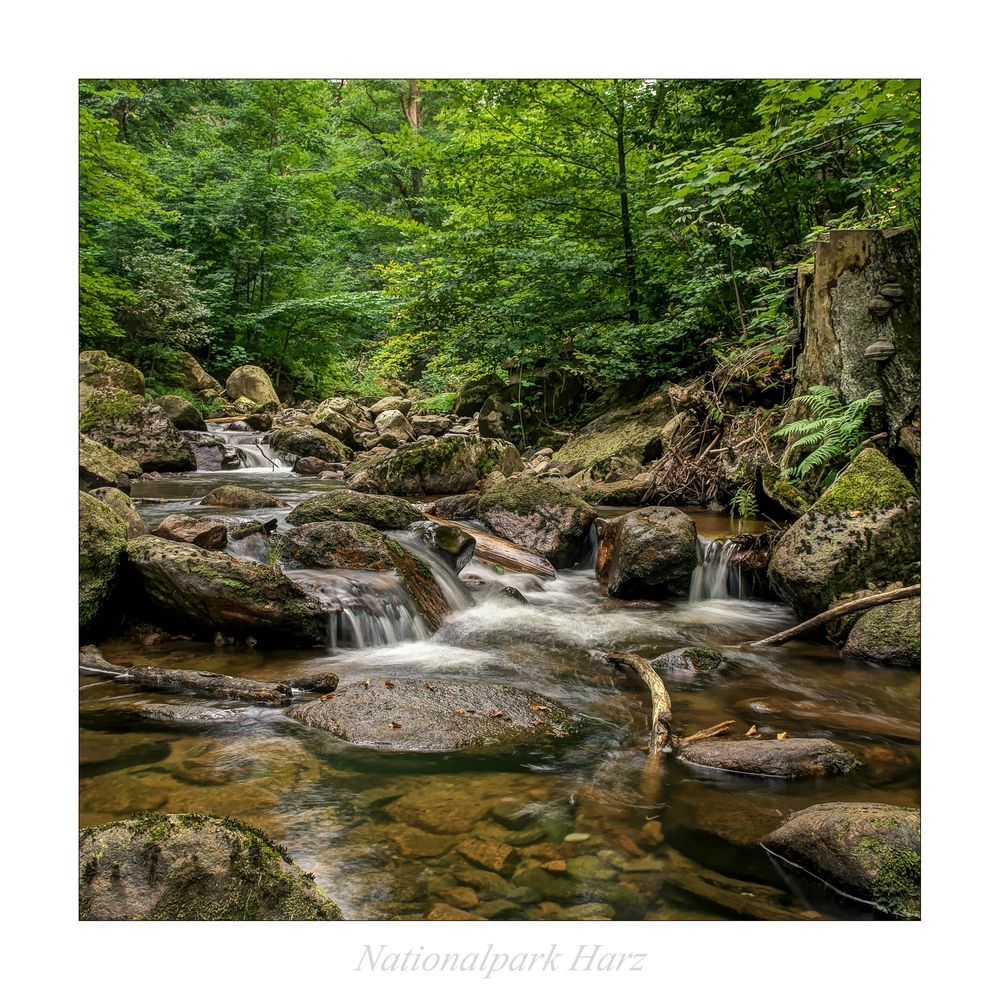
[384, 833]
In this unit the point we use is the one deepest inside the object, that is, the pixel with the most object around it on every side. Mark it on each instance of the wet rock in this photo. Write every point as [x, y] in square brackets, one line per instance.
[825, 714]
[489, 854]
[544, 517]
[417, 844]
[182, 414]
[691, 659]
[308, 442]
[322, 683]
[103, 537]
[649, 553]
[383, 512]
[512, 594]
[246, 528]
[788, 758]
[240, 498]
[512, 815]
[136, 430]
[444, 716]
[442, 911]
[459, 896]
[887, 634]
[205, 533]
[445, 465]
[310, 466]
[449, 541]
[497, 909]
[100, 371]
[191, 867]
[588, 911]
[863, 529]
[496, 418]
[122, 505]
[868, 850]
[442, 807]
[252, 383]
[100, 466]
[212, 590]
[186, 714]
[347, 545]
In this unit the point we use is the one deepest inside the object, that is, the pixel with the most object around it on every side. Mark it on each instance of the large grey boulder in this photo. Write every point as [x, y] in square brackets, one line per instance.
[400, 403]
[649, 553]
[241, 498]
[393, 423]
[424, 717]
[184, 866]
[309, 442]
[863, 530]
[867, 850]
[209, 591]
[544, 516]
[99, 372]
[252, 383]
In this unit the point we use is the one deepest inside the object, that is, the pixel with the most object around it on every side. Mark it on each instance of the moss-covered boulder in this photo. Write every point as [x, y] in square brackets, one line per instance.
[867, 850]
[383, 512]
[348, 545]
[446, 465]
[182, 414]
[690, 660]
[103, 536]
[184, 370]
[100, 372]
[137, 430]
[863, 530]
[122, 505]
[543, 515]
[241, 498]
[253, 384]
[184, 866]
[211, 591]
[888, 634]
[649, 553]
[309, 442]
[100, 466]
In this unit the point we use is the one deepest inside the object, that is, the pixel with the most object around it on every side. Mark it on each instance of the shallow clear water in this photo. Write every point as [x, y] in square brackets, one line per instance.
[384, 833]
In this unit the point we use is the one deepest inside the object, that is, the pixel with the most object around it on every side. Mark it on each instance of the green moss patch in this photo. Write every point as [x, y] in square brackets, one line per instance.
[870, 483]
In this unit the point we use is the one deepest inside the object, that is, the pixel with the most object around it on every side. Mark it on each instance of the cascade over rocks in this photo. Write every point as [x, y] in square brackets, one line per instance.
[867, 850]
[445, 465]
[864, 529]
[788, 758]
[210, 591]
[348, 545]
[384, 512]
[887, 634]
[185, 866]
[309, 442]
[122, 505]
[103, 537]
[100, 466]
[182, 414]
[649, 553]
[449, 541]
[241, 497]
[137, 430]
[421, 717]
[251, 383]
[542, 515]
[205, 533]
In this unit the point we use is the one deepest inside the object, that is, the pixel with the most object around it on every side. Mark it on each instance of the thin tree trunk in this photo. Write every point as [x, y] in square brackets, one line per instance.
[630, 275]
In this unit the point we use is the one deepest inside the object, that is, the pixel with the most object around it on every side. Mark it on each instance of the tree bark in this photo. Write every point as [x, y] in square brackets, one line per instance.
[627, 243]
[659, 735]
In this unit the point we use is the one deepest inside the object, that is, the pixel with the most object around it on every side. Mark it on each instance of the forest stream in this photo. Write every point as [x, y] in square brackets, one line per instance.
[392, 835]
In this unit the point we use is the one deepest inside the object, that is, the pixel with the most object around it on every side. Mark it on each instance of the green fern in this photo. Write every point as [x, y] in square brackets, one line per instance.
[831, 432]
[744, 503]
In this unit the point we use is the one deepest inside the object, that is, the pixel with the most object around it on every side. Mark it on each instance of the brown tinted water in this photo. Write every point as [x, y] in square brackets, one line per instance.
[392, 835]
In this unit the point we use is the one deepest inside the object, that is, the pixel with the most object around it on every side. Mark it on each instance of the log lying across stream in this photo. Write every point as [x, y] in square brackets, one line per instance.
[494, 551]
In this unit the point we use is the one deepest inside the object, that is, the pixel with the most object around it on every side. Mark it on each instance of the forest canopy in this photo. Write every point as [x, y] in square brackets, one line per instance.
[345, 234]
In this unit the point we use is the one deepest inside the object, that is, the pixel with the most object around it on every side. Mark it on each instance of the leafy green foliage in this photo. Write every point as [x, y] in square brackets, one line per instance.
[831, 433]
[744, 502]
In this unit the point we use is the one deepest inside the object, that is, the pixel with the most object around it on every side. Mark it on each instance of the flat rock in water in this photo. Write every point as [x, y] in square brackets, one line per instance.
[424, 717]
[241, 498]
[867, 850]
[790, 758]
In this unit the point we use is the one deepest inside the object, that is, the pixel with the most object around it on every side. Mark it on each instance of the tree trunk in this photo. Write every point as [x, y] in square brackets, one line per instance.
[630, 276]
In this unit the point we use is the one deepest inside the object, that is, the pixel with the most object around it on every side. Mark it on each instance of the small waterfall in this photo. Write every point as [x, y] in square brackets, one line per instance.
[716, 577]
[455, 592]
[235, 447]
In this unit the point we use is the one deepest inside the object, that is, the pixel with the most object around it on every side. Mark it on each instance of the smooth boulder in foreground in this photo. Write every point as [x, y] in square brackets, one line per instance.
[867, 850]
[185, 866]
[428, 717]
[788, 758]
[211, 590]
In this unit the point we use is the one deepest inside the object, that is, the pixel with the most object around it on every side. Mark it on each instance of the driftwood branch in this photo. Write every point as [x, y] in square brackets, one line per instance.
[861, 604]
[659, 737]
[703, 734]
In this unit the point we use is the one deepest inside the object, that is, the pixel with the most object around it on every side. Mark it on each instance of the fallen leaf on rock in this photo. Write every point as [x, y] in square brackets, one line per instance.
[460, 711]
[430, 687]
[395, 725]
[496, 713]
[782, 736]
[368, 684]
[389, 685]
[752, 731]
[539, 708]
[854, 513]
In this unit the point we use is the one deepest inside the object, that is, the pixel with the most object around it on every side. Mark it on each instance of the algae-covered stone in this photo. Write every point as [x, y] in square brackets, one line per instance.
[862, 530]
[649, 553]
[122, 505]
[251, 383]
[184, 370]
[691, 659]
[102, 539]
[888, 634]
[98, 370]
[383, 512]
[100, 466]
[867, 850]
[241, 498]
[445, 465]
[182, 414]
[543, 516]
[210, 591]
[309, 442]
[185, 866]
